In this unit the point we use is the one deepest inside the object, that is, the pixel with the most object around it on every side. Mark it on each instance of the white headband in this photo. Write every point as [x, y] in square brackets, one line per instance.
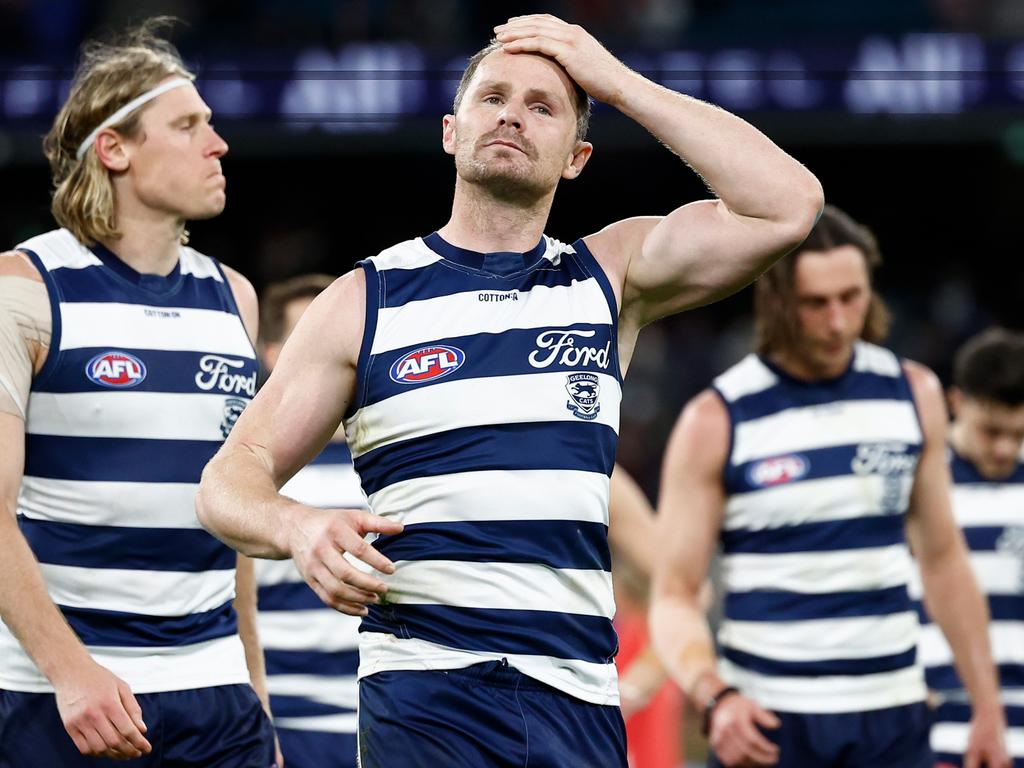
[127, 109]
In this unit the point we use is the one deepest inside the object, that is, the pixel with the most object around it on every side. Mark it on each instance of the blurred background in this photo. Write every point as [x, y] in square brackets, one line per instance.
[911, 112]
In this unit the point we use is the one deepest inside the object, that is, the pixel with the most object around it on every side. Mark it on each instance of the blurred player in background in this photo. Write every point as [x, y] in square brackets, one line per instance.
[987, 400]
[311, 650]
[814, 463]
[124, 363]
[478, 371]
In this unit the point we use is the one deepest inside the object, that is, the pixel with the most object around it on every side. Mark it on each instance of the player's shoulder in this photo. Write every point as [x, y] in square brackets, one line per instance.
[922, 379]
[18, 264]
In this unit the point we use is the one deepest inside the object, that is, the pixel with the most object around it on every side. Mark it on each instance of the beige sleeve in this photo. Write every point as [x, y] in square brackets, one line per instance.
[25, 328]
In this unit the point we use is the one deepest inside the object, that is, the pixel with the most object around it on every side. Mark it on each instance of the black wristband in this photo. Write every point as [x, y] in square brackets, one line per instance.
[709, 708]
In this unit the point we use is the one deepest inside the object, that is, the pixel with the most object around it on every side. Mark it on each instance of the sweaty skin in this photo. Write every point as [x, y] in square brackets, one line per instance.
[25, 327]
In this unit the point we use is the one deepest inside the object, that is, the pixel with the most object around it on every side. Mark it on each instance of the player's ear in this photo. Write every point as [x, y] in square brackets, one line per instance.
[576, 159]
[956, 399]
[448, 133]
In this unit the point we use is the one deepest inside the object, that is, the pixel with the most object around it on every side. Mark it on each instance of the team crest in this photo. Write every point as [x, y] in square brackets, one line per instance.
[584, 390]
[233, 408]
[116, 370]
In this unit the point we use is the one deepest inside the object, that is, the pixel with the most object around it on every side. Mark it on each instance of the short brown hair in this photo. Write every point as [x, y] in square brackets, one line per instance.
[990, 367]
[109, 75]
[277, 296]
[775, 320]
[581, 101]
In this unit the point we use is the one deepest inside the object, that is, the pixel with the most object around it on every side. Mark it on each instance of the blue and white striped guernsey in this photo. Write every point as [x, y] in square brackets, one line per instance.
[991, 514]
[311, 650]
[144, 379]
[817, 618]
[486, 421]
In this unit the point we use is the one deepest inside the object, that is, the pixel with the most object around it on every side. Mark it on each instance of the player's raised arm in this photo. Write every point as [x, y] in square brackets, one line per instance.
[766, 202]
[287, 424]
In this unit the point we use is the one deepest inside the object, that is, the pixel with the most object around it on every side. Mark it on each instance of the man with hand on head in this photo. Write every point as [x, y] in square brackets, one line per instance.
[125, 358]
[478, 373]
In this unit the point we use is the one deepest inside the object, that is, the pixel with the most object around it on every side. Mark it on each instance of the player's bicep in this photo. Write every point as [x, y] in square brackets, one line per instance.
[12, 465]
[691, 501]
[301, 405]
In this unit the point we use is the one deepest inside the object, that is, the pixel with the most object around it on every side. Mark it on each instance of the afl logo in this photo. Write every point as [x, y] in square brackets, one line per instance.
[427, 364]
[117, 370]
[778, 470]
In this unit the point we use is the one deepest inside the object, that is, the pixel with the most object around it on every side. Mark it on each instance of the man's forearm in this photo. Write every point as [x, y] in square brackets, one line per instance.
[746, 169]
[246, 608]
[680, 634]
[239, 504]
[962, 615]
[26, 607]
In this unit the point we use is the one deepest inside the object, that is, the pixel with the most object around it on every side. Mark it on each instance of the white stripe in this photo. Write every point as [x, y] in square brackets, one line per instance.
[86, 502]
[150, 593]
[522, 399]
[128, 326]
[747, 377]
[327, 485]
[822, 695]
[952, 738]
[529, 494]
[271, 572]
[196, 264]
[823, 426]
[59, 249]
[146, 670]
[818, 572]
[462, 314]
[859, 637]
[412, 254]
[589, 681]
[514, 586]
[1005, 637]
[810, 501]
[127, 414]
[309, 630]
[878, 360]
[1000, 575]
[988, 505]
[341, 723]
[340, 691]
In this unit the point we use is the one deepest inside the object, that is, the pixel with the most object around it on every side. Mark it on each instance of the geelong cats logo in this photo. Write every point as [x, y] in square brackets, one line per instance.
[584, 390]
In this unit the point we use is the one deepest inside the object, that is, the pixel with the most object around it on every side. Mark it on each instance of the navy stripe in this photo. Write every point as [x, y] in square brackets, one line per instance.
[593, 266]
[288, 596]
[816, 464]
[442, 278]
[326, 663]
[513, 359]
[334, 453]
[166, 371]
[957, 712]
[965, 473]
[144, 549]
[554, 543]
[95, 284]
[1000, 608]
[798, 606]
[547, 633]
[116, 628]
[983, 538]
[586, 446]
[117, 458]
[826, 536]
[373, 301]
[300, 706]
[944, 677]
[791, 393]
[53, 355]
[778, 668]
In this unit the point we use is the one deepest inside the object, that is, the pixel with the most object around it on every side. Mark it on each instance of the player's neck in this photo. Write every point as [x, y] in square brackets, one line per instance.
[480, 222]
[149, 240]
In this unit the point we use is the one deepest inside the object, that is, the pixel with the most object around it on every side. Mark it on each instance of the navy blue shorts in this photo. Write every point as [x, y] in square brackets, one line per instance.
[488, 714]
[219, 727]
[881, 738]
[316, 749]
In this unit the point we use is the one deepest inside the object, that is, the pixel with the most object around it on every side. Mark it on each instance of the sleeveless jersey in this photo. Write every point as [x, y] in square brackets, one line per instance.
[311, 650]
[486, 421]
[991, 514]
[145, 377]
[817, 618]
